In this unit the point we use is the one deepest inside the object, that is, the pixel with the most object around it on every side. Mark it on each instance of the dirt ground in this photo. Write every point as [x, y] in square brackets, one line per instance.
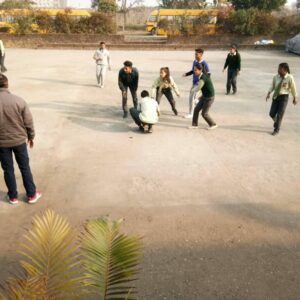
[219, 211]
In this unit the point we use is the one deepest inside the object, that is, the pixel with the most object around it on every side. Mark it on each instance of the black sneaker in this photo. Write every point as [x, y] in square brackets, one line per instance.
[275, 132]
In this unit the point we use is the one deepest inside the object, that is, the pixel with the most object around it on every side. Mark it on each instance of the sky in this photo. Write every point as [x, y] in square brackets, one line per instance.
[87, 3]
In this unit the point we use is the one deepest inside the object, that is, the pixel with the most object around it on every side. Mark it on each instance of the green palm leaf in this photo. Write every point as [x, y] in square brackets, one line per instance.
[50, 262]
[110, 259]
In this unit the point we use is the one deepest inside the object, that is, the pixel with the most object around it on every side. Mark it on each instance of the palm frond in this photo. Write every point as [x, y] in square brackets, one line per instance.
[22, 289]
[110, 259]
[50, 261]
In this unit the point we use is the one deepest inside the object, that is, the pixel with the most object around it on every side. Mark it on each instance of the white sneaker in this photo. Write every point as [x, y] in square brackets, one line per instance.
[189, 116]
[35, 198]
[101, 86]
[212, 127]
[12, 201]
[193, 127]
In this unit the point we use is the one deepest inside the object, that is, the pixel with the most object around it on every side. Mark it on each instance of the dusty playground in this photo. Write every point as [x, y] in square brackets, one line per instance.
[219, 211]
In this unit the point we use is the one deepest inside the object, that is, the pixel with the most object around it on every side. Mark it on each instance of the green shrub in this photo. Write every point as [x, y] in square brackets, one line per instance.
[44, 21]
[289, 25]
[23, 24]
[96, 23]
[63, 23]
[251, 22]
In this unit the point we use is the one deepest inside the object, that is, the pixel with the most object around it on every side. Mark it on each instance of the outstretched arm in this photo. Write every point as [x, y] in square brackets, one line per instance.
[226, 63]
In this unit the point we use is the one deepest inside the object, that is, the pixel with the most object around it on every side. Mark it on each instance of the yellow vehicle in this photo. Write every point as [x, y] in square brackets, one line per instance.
[171, 21]
[8, 17]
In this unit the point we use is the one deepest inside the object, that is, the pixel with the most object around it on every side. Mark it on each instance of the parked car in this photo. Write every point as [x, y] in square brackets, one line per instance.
[293, 45]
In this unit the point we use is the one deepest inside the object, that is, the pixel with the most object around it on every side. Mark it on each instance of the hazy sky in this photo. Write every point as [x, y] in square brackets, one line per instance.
[87, 3]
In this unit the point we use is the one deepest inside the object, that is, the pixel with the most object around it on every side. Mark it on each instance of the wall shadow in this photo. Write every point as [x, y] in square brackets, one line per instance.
[221, 272]
[263, 213]
[61, 82]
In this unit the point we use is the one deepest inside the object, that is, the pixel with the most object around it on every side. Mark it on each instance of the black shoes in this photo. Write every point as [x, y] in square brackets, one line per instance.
[233, 93]
[142, 128]
[275, 132]
[175, 112]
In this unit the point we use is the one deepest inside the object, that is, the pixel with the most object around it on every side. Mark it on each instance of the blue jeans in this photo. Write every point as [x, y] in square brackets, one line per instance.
[7, 164]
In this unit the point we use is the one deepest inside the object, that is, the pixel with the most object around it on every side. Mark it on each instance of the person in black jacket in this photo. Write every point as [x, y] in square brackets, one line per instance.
[233, 63]
[128, 78]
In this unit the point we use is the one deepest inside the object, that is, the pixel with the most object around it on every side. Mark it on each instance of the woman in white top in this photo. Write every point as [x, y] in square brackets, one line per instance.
[102, 59]
[165, 85]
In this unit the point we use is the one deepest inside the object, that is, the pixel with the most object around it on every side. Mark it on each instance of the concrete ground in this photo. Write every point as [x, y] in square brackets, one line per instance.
[219, 211]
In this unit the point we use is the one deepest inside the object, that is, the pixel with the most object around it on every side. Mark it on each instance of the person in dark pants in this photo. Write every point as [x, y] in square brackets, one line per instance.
[206, 100]
[164, 85]
[283, 84]
[16, 129]
[128, 79]
[233, 63]
[198, 60]
[147, 112]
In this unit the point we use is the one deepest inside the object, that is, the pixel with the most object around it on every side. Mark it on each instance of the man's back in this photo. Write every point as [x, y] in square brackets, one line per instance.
[16, 124]
[149, 110]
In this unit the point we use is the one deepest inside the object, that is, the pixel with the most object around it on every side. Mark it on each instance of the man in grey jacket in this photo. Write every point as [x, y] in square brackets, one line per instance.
[16, 130]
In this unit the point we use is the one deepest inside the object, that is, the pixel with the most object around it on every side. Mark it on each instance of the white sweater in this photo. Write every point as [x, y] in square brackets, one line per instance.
[102, 57]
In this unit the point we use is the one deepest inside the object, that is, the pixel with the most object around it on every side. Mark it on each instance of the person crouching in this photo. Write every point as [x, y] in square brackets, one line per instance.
[146, 114]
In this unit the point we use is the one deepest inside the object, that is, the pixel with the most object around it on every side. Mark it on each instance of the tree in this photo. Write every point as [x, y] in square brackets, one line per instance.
[11, 4]
[268, 5]
[105, 6]
[125, 6]
[183, 3]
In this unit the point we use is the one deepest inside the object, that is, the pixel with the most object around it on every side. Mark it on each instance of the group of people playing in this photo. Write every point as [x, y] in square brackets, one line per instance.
[145, 113]
[17, 128]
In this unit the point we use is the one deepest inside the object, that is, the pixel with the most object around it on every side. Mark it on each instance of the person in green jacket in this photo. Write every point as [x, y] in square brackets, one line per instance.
[206, 100]
[128, 79]
[233, 64]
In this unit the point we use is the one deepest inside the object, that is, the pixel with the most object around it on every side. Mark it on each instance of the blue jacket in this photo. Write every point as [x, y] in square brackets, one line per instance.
[206, 70]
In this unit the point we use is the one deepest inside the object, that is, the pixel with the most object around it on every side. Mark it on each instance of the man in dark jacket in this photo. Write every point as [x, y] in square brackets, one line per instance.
[233, 63]
[16, 129]
[128, 78]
